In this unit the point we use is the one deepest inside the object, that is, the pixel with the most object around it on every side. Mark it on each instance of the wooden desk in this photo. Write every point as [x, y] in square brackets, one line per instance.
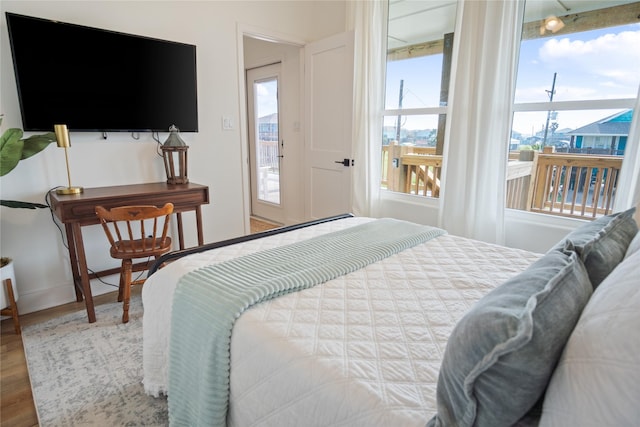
[78, 210]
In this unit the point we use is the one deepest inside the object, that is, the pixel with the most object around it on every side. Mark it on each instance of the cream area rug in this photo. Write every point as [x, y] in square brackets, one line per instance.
[90, 374]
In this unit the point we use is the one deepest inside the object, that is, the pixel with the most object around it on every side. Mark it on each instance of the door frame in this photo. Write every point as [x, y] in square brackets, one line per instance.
[243, 30]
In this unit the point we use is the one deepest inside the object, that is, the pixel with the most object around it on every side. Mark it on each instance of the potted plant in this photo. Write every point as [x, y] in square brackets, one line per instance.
[13, 148]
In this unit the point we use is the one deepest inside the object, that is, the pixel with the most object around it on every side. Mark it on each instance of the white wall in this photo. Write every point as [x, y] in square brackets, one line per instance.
[525, 230]
[215, 156]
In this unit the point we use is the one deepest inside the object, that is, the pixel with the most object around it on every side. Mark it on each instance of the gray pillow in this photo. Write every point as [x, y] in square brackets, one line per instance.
[603, 242]
[500, 356]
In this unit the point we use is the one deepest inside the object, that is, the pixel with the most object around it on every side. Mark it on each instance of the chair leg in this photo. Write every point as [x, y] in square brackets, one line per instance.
[121, 284]
[126, 288]
[12, 310]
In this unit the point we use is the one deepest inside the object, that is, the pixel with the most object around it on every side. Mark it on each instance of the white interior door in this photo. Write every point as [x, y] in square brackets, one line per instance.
[328, 121]
[265, 142]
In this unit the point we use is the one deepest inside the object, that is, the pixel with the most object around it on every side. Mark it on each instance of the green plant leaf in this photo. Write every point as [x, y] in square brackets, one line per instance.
[10, 135]
[36, 143]
[13, 149]
[24, 205]
[10, 150]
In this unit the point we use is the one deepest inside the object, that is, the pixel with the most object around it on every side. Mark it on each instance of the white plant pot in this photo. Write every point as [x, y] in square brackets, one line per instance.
[7, 272]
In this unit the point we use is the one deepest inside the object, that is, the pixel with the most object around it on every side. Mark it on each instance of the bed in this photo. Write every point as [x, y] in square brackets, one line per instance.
[445, 331]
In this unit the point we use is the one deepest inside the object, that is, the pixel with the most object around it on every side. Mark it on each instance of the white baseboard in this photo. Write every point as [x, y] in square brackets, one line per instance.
[54, 296]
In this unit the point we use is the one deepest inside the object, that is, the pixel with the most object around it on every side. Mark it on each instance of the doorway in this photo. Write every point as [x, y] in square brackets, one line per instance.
[306, 129]
[265, 142]
[268, 63]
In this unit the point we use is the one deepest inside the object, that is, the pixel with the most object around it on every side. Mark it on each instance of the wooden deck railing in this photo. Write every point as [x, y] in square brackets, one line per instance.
[573, 185]
[519, 182]
[413, 170]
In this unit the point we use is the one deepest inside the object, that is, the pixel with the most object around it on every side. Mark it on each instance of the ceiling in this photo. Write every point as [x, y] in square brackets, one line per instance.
[418, 21]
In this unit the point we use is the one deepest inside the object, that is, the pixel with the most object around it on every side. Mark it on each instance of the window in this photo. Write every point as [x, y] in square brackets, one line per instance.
[575, 92]
[419, 45]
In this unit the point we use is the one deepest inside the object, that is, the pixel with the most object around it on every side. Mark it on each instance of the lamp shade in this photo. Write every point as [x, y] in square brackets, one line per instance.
[62, 136]
[174, 153]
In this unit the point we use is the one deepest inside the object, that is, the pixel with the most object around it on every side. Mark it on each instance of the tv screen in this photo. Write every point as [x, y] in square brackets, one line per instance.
[97, 80]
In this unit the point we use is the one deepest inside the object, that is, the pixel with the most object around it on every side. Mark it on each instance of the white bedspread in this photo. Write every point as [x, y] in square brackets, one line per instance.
[363, 349]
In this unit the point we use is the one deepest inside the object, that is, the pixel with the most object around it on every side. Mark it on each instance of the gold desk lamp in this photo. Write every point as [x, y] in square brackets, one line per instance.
[62, 137]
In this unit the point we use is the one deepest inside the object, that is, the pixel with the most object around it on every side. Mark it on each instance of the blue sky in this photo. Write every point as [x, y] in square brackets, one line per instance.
[267, 93]
[591, 65]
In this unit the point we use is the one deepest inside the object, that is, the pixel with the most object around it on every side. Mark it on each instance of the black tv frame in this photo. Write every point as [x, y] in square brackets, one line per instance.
[93, 79]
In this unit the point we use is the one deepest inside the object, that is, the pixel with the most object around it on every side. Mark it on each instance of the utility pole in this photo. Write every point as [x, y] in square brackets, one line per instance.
[550, 93]
[399, 123]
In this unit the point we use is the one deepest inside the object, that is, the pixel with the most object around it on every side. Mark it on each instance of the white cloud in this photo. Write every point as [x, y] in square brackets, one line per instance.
[613, 57]
[262, 90]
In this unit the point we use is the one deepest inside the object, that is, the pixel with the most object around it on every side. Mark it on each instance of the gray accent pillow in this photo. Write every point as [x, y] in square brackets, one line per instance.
[500, 356]
[603, 242]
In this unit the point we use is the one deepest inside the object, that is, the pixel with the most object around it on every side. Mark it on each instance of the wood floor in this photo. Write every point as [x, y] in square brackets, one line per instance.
[258, 225]
[16, 401]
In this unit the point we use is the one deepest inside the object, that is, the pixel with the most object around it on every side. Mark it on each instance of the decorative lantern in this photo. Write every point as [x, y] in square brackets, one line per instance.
[174, 152]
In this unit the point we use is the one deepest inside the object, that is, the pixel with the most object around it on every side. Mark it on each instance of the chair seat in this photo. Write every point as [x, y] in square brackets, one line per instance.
[140, 248]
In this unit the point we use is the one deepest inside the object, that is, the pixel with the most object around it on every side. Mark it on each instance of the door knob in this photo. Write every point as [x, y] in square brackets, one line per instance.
[345, 162]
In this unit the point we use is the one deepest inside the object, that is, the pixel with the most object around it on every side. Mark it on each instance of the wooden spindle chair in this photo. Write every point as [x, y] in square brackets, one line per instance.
[131, 237]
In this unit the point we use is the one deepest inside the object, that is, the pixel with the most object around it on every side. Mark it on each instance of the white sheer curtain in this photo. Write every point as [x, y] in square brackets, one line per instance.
[628, 192]
[479, 118]
[368, 20]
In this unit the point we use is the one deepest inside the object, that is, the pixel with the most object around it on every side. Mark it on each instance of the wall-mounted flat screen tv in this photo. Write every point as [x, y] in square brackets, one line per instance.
[97, 80]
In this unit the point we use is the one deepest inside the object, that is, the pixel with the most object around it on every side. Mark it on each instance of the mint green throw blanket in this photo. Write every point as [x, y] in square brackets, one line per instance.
[207, 302]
